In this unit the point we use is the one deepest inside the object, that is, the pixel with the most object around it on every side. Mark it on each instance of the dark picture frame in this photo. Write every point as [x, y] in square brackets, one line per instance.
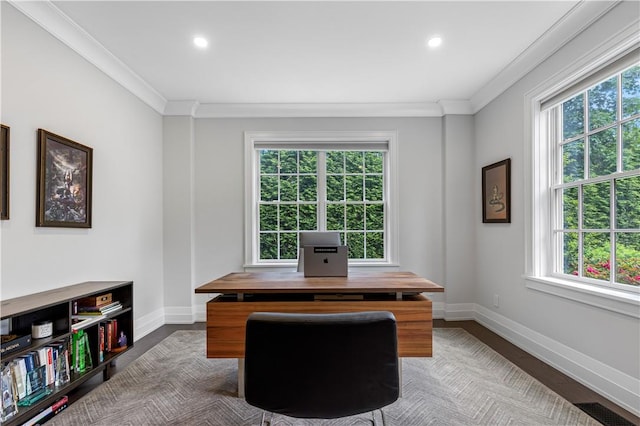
[4, 173]
[496, 192]
[64, 182]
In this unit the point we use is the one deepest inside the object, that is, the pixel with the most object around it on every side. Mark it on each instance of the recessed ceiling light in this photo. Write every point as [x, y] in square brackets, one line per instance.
[200, 42]
[434, 41]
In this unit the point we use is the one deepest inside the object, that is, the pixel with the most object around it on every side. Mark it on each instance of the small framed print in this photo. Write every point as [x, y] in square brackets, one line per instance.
[496, 192]
[64, 182]
[4, 173]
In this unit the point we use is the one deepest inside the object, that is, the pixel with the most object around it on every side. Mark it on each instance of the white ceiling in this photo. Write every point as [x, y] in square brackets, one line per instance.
[273, 53]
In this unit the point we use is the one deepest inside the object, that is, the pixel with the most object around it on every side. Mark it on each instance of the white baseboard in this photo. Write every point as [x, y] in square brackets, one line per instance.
[148, 323]
[179, 315]
[459, 311]
[619, 387]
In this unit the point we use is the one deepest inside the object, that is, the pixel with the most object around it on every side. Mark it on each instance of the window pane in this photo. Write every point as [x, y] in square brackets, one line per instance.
[603, 153]
[570, 208]
[308, 217]
[335, 188]
[573, 117]
[595, 206]
[375, 245]
[375, 217]
[268, 161]
[354, 162]
[631, 145]
[373, 162]
[268, 217]
[573, 161]
[335, 217]
[570, 252]
[288, 245]
[628, 203]
[268, 188]
[289, 200]
[335, 162]
[288, 161]
[355, 216]
[354, 188]
[288, 217]
[308, 188]
[596, 255]
[289, 188]
[374, 187]
[268, 246]
[628, 258]
[308, 162]
[603, 103]
[355, 241]
[631, 91]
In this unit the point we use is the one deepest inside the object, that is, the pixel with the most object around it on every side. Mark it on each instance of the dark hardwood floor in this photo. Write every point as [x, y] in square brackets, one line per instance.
[562, 384]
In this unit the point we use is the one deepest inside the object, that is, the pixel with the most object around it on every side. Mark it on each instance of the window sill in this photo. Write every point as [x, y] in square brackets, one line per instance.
[622, 302]
[283, 267]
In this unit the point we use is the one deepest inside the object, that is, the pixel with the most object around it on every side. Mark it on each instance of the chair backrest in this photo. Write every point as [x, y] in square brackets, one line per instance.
[321, 365]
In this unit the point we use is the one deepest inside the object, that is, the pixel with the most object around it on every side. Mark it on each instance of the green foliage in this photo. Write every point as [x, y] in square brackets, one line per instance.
[289, 200]
[595, 205]
[602, 153]
[631, 145]
[602, 145]
[603, 103]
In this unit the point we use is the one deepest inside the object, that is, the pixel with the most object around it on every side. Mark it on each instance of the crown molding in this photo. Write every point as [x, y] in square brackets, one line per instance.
[54, 21]
[319, 110]
[562, 32]
[189, 108]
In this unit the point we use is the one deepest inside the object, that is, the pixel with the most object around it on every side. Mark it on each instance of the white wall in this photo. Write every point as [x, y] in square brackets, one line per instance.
[46, 85]
[219, 189]
[573, 336]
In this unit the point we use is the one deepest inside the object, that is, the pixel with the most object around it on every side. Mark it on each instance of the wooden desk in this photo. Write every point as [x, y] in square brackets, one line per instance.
[245, 292]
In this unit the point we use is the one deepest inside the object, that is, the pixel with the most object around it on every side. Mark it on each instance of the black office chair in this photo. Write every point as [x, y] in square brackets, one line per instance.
[321, 365]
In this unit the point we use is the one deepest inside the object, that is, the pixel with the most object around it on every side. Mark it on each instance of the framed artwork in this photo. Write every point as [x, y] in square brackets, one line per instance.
[4, 173]
[496, 192]
[64, 182]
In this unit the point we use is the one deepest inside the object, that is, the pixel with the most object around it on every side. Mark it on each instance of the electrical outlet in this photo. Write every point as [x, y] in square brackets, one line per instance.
[496, 301]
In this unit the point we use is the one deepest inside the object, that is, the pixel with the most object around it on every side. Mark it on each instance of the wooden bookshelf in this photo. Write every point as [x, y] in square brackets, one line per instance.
[58, 306]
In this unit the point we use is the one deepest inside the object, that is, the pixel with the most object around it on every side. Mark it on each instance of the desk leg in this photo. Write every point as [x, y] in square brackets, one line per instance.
[240, 377]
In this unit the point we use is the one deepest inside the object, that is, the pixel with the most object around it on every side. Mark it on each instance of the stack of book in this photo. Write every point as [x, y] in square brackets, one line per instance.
[89, 310]
[30, 377]
[97, 305]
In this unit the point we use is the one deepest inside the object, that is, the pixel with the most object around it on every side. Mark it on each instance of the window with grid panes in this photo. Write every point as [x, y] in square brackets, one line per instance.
[324, 184]
[595, 192]
[303, 190]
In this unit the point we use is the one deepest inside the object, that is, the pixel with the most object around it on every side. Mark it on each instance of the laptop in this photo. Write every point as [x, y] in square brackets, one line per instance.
[325, 261]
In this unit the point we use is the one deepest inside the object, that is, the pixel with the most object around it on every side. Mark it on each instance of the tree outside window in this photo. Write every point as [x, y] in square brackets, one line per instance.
[308, 190]
[597, 190]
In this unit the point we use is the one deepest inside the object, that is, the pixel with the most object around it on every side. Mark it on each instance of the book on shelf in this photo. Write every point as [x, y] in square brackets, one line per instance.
[48, 412]
[79, 322]
[13, 342]
[99, 310]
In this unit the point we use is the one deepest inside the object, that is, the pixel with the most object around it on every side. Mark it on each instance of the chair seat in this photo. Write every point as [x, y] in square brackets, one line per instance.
[321, 365]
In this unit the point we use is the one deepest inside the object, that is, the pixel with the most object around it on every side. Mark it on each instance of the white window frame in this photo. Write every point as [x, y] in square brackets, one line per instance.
[329, 140]
[538, 214]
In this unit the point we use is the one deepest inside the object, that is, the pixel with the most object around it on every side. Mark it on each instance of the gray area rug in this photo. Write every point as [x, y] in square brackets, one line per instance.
[465, 383]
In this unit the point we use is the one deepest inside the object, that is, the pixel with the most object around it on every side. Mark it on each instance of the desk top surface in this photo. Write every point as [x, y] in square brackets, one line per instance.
[296, 282]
